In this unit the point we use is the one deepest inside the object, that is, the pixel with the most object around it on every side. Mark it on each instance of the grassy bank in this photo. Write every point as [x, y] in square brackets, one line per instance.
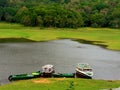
[61, 84]
[106, 36]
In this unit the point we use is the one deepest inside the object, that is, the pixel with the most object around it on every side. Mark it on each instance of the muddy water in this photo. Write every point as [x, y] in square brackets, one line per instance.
[17, 58]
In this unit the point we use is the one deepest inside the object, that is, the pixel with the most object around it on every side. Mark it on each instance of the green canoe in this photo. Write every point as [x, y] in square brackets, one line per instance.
[24, 76]
[66, 75]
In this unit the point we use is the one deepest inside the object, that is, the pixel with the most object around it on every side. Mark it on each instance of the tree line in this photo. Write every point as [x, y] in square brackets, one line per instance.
[62, 13]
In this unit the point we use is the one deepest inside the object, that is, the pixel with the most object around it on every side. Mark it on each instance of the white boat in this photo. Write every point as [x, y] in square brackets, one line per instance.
[83, 70]
[48, 70]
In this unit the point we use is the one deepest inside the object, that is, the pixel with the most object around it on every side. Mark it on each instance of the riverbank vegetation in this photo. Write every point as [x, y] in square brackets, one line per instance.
[61, 84]
[101, 36]
[62, 13]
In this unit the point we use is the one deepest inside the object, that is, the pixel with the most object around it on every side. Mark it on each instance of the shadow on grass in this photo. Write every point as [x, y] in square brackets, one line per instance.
[99, 43]
[13, 40]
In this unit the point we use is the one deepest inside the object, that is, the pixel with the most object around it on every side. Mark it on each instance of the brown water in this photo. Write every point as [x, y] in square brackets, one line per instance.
[17, 58]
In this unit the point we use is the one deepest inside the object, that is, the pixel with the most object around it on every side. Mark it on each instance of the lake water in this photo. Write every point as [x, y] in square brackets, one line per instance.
[17, 58]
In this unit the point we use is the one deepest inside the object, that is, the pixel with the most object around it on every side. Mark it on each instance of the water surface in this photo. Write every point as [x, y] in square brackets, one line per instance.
[17, 58]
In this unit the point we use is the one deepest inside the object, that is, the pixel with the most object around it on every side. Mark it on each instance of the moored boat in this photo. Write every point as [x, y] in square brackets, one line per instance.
[47, 70]
[24, 76]
[65, 75]
[83, 70]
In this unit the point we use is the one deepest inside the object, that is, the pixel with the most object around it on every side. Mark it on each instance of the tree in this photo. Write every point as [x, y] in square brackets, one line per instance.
[8, 17]
[8, 13]
[98, 20]
[22, 12]
[26, 20]
[3, 3]
[1, 13]
[115, 18]
[33, 18]
[100, 5]
[62, 13]
[39, 21]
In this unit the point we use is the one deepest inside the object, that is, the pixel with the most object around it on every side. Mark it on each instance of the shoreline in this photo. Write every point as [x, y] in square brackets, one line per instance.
[24, 40]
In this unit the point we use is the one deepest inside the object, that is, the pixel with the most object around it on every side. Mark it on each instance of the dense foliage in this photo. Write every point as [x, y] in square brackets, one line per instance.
[62, 13]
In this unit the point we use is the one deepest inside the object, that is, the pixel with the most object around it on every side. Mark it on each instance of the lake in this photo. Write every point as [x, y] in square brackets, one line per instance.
[64, 54]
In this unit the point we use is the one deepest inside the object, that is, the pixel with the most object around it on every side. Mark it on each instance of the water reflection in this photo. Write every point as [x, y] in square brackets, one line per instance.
[16, 58]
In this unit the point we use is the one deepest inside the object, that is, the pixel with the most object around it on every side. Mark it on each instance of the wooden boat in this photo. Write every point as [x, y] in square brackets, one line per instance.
[24, 76]
[66, 75]
[83, 70]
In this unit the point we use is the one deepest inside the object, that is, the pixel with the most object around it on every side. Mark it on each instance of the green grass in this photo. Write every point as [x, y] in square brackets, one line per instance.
[61, 84]
[110, 37]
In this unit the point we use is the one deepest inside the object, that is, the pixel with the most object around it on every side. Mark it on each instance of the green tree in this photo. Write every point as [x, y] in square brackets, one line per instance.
[115, 18]
[26, 20]
[39, 21]
[21, 14]
[98, 20]
[8, 17]
[1, 13]
[3, 3]
[33, 18]
[9, 13]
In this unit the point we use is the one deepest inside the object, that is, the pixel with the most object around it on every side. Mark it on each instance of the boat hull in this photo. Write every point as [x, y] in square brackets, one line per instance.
[84, 70]
[65, 75]
[81, 74]
[24, 76]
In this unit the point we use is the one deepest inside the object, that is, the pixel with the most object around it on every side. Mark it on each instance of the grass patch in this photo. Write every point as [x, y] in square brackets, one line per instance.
[61, 84]
[103, 36]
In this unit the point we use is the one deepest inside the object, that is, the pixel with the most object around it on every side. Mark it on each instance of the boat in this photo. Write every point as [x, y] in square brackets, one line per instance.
[84, 70]
[65, 75]
[47, 70]
[24, 76]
